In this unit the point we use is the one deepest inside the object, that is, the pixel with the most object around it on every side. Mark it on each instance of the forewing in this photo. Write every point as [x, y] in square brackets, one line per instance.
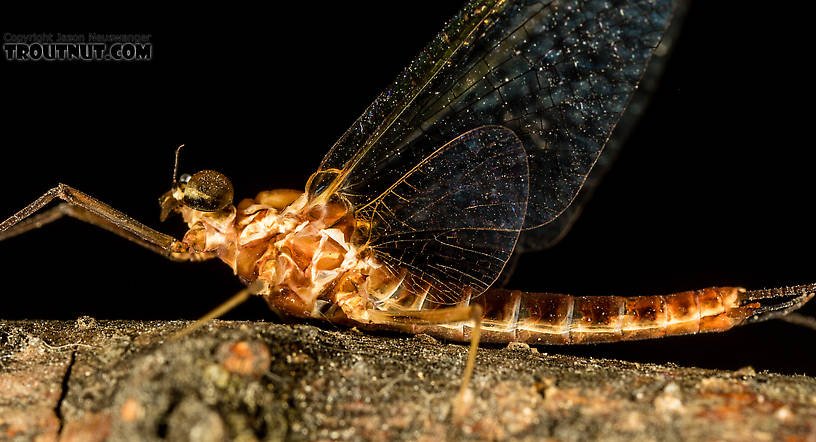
[453, 219]
[559, 74]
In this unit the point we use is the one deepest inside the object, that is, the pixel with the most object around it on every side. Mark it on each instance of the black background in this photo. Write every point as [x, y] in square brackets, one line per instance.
[714, 188]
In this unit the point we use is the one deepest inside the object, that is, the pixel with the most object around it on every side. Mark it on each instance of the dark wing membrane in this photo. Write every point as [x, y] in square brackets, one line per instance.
[452, 220]
[548, 235]
[559, 74]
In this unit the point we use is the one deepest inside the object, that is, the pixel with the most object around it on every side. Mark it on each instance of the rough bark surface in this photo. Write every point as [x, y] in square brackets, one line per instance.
[124, 380]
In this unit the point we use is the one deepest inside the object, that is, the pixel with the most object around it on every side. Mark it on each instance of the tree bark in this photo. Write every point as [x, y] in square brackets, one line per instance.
[125, 380]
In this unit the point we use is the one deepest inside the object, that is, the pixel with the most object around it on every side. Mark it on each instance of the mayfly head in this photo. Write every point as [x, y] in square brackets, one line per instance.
[205, 191]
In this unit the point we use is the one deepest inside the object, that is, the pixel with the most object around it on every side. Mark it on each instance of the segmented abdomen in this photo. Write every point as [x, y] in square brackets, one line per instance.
[544, 318]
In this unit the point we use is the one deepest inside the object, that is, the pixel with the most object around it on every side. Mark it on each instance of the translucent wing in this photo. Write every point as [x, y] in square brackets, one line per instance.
[550, 233]
[453, 219]
[559, 74]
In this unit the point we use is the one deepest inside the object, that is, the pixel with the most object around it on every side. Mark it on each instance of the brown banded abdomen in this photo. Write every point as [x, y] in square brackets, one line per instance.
[545, 318]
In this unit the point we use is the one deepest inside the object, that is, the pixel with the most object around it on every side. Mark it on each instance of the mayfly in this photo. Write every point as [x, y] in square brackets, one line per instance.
[484, 145]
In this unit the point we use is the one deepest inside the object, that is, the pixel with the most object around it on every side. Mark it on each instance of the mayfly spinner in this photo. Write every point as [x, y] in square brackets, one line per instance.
[482, 146]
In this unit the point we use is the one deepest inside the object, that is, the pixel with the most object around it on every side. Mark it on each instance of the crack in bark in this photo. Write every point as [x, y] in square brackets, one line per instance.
[64, 392]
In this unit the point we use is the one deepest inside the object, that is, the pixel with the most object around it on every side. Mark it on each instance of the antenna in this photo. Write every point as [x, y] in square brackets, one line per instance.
[175, 166]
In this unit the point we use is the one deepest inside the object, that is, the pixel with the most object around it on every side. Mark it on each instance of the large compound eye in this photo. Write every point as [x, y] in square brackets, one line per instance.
[208, 191]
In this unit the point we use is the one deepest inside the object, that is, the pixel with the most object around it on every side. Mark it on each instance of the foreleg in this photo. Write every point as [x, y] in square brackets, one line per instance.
[85, 208]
